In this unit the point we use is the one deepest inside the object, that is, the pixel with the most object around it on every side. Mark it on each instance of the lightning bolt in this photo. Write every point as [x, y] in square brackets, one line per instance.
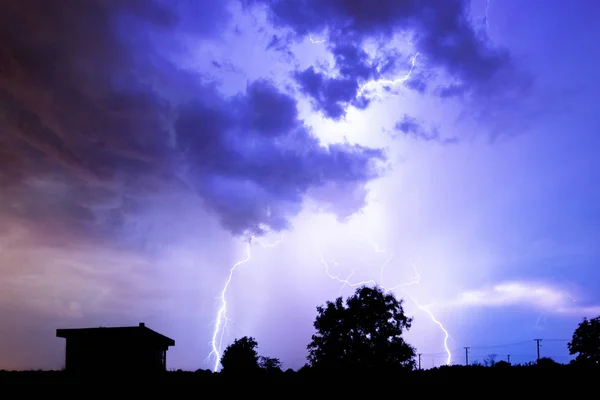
[392, 82]
[540, 323]
[402, 286]
[376, 247]
[220, 324]
[221, 319]
[315, 41]
[485, 17]
[435, 321]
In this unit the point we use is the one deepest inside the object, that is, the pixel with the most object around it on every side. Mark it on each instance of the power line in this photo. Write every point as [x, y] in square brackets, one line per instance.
[501, 345]
[494, 346]
[513, 355]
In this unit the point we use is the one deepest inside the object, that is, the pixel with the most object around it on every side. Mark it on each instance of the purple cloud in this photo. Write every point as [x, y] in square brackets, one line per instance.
[98, 122]
[442, 32]
[410, 126]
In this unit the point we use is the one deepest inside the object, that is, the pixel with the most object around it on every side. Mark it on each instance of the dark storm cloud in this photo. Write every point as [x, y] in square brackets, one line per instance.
[441, 30]
[333, 95]
[96, 122]
[410, 126]
[256, 159]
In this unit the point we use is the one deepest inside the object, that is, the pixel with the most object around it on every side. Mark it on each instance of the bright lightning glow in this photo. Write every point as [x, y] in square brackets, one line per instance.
[391, 82]
[346, 282]
[435, 321]
[315, 41]
[221, 320]
[343, 281]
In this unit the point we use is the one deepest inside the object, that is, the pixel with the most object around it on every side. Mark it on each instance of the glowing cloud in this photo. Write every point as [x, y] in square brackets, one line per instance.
[545, 298]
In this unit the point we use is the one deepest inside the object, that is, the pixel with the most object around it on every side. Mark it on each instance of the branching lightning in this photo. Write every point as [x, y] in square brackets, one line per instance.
[221, 319]
[315, 41]
[540, 323]
[392, 82]
[402, 286]
[435, 321]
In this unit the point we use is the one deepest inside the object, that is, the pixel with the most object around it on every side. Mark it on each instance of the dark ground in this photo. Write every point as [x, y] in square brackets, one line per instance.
[494, 378]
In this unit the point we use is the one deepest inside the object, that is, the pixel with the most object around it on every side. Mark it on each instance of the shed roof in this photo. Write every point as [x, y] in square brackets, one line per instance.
[116, 333]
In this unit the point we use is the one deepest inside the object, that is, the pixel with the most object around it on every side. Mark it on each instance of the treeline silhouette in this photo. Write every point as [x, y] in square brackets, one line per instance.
[357, 339]
[558, 375]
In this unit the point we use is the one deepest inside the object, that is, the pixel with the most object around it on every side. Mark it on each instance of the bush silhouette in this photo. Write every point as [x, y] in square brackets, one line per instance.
[241, 356]
[586, 342]
[502, 364]
[364, 333]
[270, 364]
[547, 362]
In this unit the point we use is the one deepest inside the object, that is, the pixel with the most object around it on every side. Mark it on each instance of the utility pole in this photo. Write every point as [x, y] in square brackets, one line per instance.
[538, 348]
[419, 360]
[467, 356]
[508, 358]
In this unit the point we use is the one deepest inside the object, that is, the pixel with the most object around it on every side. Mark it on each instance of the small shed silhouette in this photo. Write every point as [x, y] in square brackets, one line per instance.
[132, 349]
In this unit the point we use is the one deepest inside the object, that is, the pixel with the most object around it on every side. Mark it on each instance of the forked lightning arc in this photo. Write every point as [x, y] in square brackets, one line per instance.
[222, 319]
[401, 287]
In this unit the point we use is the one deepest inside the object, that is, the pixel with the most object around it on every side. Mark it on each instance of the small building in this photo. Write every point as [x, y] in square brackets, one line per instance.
[130, 349]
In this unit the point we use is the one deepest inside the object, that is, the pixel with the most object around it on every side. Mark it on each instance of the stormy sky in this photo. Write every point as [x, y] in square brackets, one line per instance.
[445, 149]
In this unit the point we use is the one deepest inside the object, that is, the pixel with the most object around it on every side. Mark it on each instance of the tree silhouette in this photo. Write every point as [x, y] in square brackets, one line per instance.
[240, 356]
[586, 342]
[365, 332]
[546, 362]
[270, 364]
[490, 360]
